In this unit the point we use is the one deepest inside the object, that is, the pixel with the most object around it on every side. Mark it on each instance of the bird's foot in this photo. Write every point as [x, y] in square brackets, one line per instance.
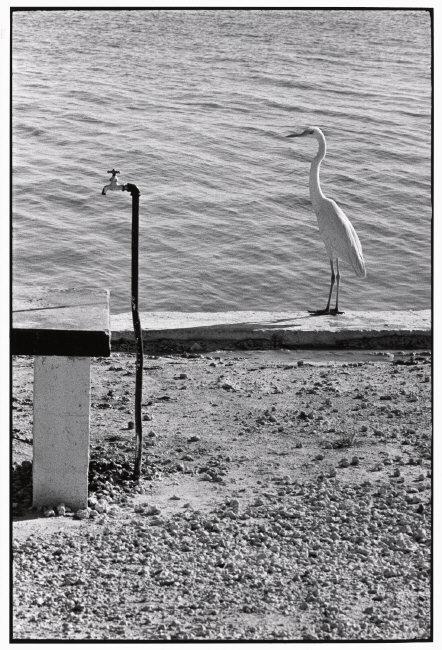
[319, 312]
[335, 312]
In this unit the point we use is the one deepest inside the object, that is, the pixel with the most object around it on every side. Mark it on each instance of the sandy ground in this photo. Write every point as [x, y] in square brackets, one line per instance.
[285, 495]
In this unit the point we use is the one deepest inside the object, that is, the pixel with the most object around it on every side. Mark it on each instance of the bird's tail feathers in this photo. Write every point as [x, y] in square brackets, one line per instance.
[358, 264]
[356, 257]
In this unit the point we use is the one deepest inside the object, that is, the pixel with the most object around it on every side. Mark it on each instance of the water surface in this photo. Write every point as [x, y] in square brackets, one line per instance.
[192, 106]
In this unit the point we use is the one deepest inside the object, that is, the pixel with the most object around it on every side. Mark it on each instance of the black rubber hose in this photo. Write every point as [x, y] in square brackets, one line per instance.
[135, 193]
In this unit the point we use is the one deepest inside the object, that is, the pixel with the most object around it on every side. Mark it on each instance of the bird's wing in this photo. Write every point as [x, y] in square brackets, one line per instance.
[341, 235]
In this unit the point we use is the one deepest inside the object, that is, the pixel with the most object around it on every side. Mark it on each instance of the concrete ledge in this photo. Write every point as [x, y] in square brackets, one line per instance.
[203, 331]
[62, 322]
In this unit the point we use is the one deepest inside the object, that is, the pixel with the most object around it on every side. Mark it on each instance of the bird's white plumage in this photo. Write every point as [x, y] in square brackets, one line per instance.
[340, 238]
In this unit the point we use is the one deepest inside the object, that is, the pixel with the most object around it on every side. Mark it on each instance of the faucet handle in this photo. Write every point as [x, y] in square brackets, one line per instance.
[114, 172]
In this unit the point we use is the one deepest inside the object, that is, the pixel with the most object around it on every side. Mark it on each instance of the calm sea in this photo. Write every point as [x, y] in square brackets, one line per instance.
[192, 106]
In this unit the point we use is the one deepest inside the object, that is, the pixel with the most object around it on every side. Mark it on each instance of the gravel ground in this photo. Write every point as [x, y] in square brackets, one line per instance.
[284, 496]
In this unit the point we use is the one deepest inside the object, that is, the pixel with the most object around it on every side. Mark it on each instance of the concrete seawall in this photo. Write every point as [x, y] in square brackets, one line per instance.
[204, 331]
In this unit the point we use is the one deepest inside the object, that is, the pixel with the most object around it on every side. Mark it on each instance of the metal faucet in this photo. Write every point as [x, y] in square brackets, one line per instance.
[113, 182]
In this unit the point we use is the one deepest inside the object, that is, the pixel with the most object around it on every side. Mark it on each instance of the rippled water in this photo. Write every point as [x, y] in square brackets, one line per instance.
[192, 106]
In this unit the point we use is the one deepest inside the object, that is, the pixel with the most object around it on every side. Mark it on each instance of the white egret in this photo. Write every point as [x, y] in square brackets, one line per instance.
[340, 238]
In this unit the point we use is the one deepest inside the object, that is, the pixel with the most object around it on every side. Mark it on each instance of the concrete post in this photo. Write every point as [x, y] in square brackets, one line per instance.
[61, 431]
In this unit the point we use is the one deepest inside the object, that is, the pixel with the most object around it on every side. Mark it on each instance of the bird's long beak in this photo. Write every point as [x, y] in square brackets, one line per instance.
[295, 135]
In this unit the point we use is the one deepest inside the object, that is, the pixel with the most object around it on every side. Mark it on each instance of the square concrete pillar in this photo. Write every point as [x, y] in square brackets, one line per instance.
[61, 431]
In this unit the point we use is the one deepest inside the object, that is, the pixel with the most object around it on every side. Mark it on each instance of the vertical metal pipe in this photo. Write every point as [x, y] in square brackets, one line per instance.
[135, 193]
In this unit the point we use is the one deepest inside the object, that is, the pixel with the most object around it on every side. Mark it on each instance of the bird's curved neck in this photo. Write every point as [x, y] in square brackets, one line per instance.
[315, 188]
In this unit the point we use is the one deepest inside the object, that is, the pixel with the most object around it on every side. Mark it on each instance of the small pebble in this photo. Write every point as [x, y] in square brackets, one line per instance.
[101, 506]
[83, 513]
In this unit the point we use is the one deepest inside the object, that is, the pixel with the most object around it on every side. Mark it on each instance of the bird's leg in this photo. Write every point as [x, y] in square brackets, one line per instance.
[320, 312]
[332, 281]
[338, 277]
